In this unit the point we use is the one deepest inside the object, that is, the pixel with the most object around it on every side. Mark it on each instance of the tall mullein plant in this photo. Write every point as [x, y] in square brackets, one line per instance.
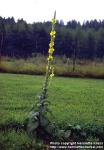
[49, 71]
[37, 119]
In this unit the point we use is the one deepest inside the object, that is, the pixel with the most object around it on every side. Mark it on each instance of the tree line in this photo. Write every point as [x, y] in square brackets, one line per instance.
[21, 39]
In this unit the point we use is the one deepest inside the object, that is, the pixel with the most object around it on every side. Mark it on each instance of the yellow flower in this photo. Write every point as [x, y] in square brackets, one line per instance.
[52, 75]
[52, 33]
[51, 50]
[51, 44]
[50, 57]
[53, 21]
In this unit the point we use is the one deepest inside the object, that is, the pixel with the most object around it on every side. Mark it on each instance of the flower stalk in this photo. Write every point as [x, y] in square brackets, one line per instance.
[49, 69]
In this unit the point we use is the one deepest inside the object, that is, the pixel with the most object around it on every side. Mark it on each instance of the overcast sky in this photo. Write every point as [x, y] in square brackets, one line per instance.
[42, 10]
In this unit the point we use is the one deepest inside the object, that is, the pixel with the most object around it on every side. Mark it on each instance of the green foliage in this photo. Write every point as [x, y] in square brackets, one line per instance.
[32, 122]
[22, 39]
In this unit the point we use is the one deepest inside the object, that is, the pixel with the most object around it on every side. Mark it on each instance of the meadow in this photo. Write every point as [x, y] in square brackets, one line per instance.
[69, 97]
[73, 101]
[63, 66]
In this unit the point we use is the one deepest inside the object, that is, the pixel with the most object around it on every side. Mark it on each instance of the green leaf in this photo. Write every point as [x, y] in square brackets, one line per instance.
[33, 115]
[70, 125]
[32, 126]
[61, 134]
[32, 121]
[77, 127]
[67, 133]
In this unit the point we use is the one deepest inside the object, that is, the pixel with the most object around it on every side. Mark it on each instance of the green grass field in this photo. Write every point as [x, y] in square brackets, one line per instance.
[73, 100]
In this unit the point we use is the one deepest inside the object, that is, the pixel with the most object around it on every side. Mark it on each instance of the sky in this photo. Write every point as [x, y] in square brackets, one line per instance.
[43, 10]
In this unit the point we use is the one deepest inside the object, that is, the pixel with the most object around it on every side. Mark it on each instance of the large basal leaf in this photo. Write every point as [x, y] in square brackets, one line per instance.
[32, 126]
[44, 121]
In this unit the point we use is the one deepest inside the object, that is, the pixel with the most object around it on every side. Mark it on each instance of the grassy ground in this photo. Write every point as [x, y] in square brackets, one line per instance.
[15, 141]
[73, 100]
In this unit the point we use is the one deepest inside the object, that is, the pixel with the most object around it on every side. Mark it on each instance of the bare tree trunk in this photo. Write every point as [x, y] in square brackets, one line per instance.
[1, 46]
[2, 39]
[74, 60]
